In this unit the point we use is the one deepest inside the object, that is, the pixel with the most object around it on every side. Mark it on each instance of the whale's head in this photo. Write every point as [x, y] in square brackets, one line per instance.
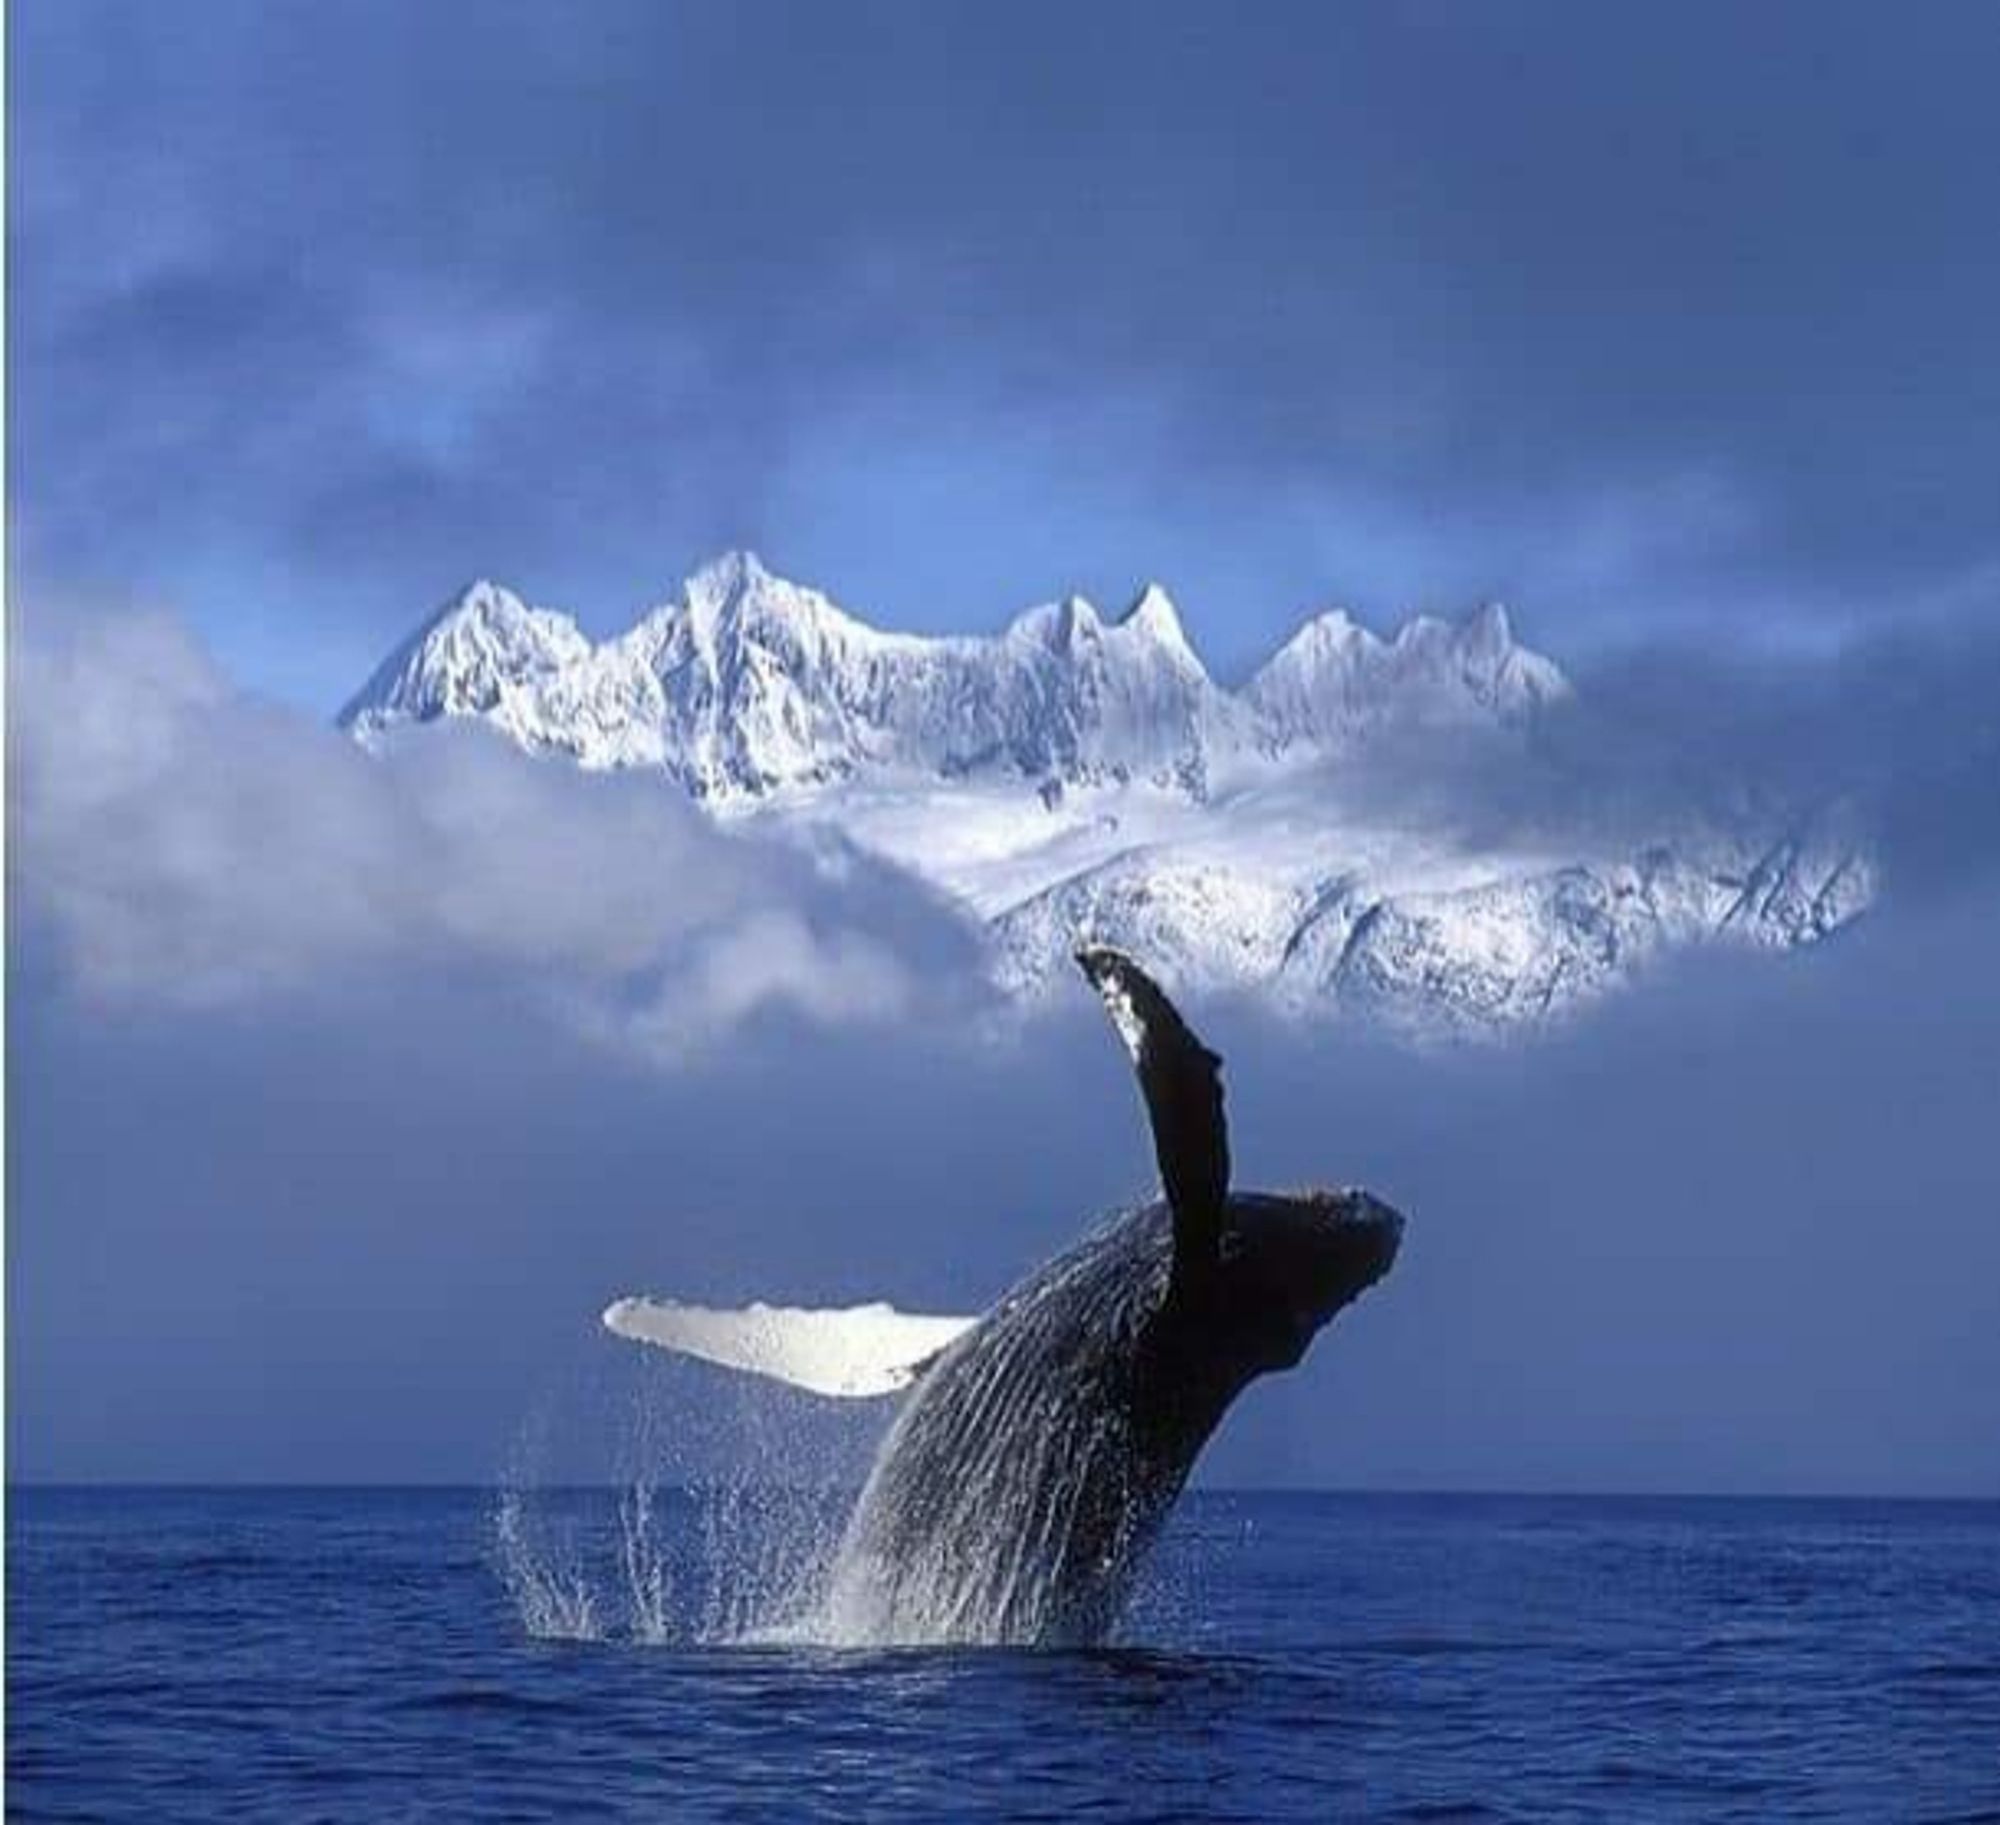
[1254, 1275]
[1290, 1261]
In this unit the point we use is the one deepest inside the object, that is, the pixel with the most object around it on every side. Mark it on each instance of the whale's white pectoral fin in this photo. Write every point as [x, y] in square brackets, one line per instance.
[853, 1353]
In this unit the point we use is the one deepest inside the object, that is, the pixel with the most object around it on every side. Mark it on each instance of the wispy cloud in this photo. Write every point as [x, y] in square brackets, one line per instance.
[187, 846]
[321, 310]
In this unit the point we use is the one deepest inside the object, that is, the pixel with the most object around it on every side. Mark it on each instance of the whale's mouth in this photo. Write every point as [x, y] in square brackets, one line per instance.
[1316, 1251]
[1356, 1240]
[1359, 1233]
[1379, 1228]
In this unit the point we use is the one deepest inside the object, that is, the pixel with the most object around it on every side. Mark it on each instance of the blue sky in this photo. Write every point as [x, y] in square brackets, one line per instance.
[1672, 327]
[1648, 320]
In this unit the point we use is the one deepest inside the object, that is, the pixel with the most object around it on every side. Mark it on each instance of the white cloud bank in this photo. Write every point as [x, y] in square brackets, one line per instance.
[183, 845]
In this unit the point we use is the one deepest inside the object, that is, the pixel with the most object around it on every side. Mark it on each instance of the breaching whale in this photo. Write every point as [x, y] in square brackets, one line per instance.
[1039, 1447]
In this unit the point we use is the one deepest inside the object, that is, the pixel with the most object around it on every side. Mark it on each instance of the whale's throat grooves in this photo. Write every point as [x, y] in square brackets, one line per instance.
[1017, 1492]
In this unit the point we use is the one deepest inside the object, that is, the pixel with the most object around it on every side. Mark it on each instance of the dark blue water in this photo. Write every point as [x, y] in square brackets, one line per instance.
[353, 1655]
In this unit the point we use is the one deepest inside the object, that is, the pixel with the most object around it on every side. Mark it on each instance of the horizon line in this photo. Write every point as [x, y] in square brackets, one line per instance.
[12, 1485]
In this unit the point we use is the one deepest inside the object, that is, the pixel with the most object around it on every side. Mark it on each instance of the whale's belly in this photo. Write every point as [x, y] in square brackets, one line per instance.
[1024, 1478]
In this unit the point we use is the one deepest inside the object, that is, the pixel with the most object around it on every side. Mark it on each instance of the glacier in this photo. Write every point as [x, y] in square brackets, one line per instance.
[1077, 777]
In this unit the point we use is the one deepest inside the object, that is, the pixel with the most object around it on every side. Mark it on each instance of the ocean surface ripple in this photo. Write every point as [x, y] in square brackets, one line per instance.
[359, 1655]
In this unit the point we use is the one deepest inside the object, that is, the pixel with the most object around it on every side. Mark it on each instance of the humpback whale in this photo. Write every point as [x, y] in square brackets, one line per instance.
[1040, 1446]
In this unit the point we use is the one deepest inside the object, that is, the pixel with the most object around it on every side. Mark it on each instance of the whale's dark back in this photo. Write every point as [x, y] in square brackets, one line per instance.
[1017, 1490]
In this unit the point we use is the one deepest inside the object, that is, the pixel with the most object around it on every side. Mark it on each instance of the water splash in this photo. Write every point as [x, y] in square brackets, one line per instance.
[648, 1585]
[549, 1588]
[718, 1521]
[1014, 1499]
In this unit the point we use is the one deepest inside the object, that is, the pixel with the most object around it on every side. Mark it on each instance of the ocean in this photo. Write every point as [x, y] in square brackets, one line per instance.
[372, 1654]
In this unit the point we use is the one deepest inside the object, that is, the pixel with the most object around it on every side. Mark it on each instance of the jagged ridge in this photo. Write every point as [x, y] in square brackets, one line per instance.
[1073, 777]
[746, 684]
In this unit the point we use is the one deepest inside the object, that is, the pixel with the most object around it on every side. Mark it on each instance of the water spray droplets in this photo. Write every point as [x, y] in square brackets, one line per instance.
[719, 1526]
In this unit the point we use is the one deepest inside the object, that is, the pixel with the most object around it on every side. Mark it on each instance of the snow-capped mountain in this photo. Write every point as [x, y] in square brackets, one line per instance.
[1075, 776]
[1333, 677]
[745, 685]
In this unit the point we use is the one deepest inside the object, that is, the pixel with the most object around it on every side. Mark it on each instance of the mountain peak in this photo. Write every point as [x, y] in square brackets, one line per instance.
[728, 575]
[735, 596]
[993, 765]
[744, 682]
[1487, 630]
[482, 593]
[1503, 673]
[1334, 678]
[1331, 630]
[1154, 615]
[1485, 635]
[1075, 620]
[480, 601]
[464, 659]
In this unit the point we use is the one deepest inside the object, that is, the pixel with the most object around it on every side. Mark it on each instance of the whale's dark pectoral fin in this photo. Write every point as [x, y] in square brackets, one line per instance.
[1182, 1082]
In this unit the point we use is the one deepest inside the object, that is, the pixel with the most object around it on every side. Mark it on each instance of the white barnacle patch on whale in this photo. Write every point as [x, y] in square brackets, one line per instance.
[853, 1352]
[1125, 1019]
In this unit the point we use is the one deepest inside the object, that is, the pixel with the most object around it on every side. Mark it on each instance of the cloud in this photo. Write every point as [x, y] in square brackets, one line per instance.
[186, 846]
[1646, 322]
[1732, 1235]
[326, 309]
[335, 1114]
[1888, 741]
